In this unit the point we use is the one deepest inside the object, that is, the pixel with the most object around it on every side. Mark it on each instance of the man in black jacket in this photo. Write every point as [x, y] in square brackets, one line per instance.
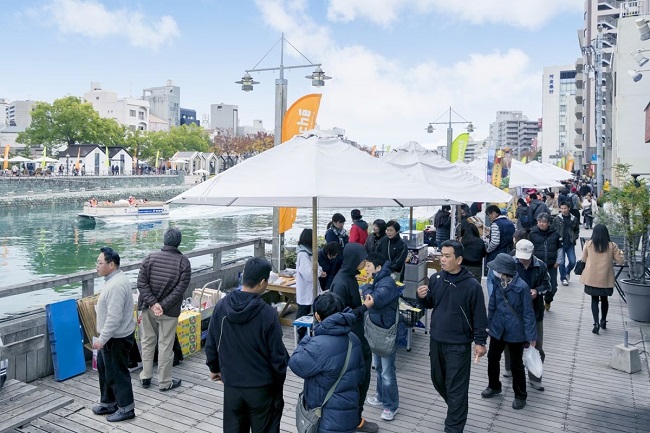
[162, 281]
[457, 319]
[548, 248]
[346, 286]
[533, 271]
[245, 351]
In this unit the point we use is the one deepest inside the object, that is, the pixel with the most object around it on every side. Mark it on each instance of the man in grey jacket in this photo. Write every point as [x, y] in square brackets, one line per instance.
[162, 281]
[116, 327]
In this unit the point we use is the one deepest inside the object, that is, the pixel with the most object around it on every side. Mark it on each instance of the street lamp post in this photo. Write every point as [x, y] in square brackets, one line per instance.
[318, 78]
[450, 131]
[67, 164]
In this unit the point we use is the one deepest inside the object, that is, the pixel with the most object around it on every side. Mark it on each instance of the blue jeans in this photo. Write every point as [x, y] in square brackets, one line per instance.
[570, 253]
[387, 391]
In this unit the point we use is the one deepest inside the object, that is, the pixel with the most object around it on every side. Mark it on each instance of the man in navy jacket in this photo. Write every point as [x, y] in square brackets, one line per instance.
[245, 351]
[457, 319]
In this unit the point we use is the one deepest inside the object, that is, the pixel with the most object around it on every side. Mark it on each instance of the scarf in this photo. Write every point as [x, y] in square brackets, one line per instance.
[341, 234]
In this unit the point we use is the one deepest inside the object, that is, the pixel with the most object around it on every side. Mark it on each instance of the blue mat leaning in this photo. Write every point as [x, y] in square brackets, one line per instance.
[66, 339]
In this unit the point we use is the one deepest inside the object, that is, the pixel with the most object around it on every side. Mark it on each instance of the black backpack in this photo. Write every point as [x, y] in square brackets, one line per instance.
[527, 219]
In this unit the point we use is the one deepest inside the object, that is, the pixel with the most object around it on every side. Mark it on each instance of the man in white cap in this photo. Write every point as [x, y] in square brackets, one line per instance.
[533, 271]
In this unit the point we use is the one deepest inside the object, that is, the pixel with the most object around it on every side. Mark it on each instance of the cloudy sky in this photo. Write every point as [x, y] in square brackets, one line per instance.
[396, 64]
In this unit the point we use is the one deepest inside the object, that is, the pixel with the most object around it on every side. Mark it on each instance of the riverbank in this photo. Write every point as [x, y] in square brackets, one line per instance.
[77, 198]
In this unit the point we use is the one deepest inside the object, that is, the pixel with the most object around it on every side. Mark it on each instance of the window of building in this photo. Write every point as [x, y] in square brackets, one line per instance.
[132, 113]
[141, 115]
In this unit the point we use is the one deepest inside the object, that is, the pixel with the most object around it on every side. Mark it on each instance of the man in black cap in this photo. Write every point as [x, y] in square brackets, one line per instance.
[163, 279]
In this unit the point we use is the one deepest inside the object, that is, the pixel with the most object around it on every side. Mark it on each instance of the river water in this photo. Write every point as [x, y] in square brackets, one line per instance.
[36, 244]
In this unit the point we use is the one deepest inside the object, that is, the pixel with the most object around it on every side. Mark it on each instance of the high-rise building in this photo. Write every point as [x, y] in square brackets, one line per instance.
[513, 130]
[559, 135]
[224, 117]
[130, 112]
[603, 14]
[631, 112]
[165, 102]
[19, 113]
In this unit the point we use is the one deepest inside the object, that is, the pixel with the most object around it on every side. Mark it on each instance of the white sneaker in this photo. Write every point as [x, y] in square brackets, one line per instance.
[388, 415]
[374, 401]
[565, 282]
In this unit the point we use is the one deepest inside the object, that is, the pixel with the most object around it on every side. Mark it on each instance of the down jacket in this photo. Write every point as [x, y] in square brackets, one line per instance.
[319, 360]
[163, 278]
[385, 293]
[547, 243]
[503, 323]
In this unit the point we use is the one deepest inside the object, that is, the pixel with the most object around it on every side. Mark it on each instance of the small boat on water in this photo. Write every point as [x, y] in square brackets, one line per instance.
[124, 209]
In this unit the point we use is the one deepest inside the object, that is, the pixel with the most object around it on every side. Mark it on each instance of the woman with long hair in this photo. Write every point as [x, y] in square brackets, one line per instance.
[598, 276]
[305, 277]
[378, 232]
[475, 251]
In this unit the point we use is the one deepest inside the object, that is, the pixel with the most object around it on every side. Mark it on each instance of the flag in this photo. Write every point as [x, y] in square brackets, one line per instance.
[569, 162]
[44, 156]
[300, 117]
[373, 150]
[78, 164]
[458, 147]
[108, 158]
[157, 158]
[6, 162]
[496, 169]
[524, 159]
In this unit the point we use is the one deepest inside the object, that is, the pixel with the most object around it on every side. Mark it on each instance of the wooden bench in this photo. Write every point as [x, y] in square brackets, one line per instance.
[20, 403]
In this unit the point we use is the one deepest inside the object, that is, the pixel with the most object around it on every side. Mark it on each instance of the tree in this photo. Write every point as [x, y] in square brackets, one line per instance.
[70, 121]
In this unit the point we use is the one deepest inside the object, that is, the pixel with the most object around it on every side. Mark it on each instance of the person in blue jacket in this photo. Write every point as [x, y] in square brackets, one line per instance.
[320, 359]
[383, 313]
[511, 323]
[327, 259]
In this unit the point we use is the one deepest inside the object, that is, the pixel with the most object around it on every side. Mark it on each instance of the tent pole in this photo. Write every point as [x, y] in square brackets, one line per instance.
[411, 222]
[314, 244]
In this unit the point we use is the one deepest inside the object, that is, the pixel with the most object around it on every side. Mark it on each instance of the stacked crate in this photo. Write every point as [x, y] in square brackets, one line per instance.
[415, 267]
[189, 332]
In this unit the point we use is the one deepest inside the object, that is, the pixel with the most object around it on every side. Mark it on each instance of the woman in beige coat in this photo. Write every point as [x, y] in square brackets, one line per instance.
[598, 275]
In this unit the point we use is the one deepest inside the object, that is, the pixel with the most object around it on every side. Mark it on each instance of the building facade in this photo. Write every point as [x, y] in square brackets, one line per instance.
[188, 117]
[559, 134]
[132, 113]
[19, 113]
[4, 105]
[630, 143]
[165, 102]
[513, 130]
[224, 117]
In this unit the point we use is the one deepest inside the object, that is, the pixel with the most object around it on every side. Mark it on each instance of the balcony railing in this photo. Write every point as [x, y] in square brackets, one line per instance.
[634, 8]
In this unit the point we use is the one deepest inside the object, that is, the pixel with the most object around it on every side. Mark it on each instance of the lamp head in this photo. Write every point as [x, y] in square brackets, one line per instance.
[430, 129]
[644, 29]
[470, 127]
[636, 75]
[318, 77]
[640, 58]
[247, 82]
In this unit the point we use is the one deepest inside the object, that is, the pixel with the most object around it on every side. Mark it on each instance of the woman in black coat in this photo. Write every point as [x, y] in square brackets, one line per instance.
[474, 252]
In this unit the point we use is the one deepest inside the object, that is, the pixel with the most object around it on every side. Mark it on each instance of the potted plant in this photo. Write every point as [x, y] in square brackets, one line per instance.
[631, 202]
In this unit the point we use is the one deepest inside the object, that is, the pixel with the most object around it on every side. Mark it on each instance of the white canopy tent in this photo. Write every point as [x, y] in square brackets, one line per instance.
[311, 170]
[549, 171]
[440, 174]
[19, 159]
[522, 175]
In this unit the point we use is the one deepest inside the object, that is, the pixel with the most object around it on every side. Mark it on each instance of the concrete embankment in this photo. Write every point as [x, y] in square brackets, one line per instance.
[74, 191]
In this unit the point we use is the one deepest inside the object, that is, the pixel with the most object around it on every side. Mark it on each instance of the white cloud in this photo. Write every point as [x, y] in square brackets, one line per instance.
[379, 100]
[92, 19]
[519, 13]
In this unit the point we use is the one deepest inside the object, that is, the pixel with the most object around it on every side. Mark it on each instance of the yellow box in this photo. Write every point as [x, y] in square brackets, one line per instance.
[188, 331]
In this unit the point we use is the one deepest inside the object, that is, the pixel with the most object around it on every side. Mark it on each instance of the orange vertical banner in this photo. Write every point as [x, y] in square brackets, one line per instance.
[78, 159]
[6, 161]
[300, 117]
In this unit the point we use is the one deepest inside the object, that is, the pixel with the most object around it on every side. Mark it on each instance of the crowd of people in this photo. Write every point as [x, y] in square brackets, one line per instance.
[354, 326]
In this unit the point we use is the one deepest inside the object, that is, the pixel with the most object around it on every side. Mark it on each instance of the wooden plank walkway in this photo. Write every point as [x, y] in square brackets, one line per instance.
[583, 394]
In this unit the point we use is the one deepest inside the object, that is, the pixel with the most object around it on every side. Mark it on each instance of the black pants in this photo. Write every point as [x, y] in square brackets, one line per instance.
[252, 409]
[539, 345]
[114, 376]
[303, 310]
[516, 366]
[450, 369]
[367, 361]
[604, 306]
[552, 273]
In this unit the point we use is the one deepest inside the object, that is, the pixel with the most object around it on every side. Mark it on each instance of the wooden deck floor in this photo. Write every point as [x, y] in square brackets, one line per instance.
[583, 394]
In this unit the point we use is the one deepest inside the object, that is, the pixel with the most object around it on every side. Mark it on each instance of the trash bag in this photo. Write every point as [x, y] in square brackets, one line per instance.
[533, 361]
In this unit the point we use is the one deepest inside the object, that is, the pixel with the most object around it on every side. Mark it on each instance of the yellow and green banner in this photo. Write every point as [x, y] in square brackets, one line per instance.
[458, 147]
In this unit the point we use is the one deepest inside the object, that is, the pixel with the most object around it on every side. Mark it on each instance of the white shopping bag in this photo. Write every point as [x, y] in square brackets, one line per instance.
[533, 361]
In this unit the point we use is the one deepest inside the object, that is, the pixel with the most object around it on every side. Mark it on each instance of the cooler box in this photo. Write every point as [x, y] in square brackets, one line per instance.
[410, 289]
[189, 332]
[413, 239]
[66, 339]
[415, 272]
[415, 256]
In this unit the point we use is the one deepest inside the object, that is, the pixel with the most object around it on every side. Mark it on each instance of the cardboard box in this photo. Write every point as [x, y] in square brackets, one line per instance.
[415, 272]
[188, 331]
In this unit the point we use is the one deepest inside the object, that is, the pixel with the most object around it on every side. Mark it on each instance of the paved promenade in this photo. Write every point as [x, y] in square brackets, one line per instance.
[583, 394]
